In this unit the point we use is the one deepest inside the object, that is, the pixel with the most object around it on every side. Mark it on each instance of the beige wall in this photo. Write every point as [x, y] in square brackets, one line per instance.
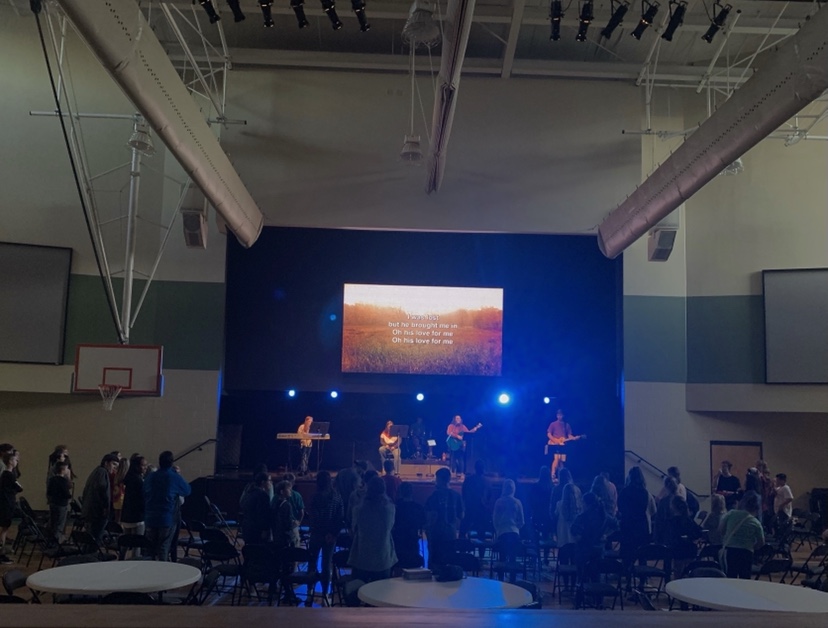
[185, 416]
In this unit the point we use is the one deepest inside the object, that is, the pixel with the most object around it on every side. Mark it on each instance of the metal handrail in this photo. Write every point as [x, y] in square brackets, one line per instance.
[642, 460]
[198, 447]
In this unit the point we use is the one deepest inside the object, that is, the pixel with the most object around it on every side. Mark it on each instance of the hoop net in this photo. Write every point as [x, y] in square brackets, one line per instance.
[108, 395]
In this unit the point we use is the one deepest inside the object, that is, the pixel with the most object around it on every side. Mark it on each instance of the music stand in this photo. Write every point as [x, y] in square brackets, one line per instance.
[431, 445]
[400, 431]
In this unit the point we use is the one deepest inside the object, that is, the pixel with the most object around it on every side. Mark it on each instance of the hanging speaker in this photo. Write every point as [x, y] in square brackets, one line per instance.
[195, 228]
[660, 244]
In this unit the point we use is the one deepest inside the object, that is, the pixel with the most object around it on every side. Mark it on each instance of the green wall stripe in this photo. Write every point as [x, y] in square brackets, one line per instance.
[654, 339]
[186, 317]
[726, 340]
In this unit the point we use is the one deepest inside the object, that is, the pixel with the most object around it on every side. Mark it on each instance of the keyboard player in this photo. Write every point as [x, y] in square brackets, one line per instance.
[305, 445]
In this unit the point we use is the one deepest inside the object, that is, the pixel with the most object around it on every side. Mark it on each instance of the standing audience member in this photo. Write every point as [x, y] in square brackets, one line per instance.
[372, 552]
[669, 491]
[392, 481]
[601, 490]
[591, 529]
[681, 535]
[297, 504]
[718, 509]
[767, 492]
[255, 509]
[163, 490]
[132, 514]
[347, 481]
[612, 495]
[284, 525]
[636, 507]
[474, 500]
[327, 515]
[508, 519]
[566, 511]
[9, 488]
[727, 484]
[444, 512]
[564, 478]
[741, 534]
[783, 500]
[60, 454]
[58, 494]
[409, 523]
[359, 493]
[681, 490]
[97, 497]
[116, 483]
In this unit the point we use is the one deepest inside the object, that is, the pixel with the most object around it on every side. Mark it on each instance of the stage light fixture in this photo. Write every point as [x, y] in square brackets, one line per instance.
[359, 9]
[210, 10]
[585, 17]
[647, 16]
[267, 15]
[718, 22]
[620, 10]
[298, 7]
[235, 7]
[504, 398]
[420, 396]
[332, 317]
[329, 7]
[556, 15]
[334, 394]
[677, 11]
[546, 400]
[291, 393]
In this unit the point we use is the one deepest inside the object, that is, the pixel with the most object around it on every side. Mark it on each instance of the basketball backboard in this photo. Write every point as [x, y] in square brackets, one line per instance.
[136, 369]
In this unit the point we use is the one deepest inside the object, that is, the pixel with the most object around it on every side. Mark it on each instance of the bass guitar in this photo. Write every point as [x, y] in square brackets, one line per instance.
[456, 443]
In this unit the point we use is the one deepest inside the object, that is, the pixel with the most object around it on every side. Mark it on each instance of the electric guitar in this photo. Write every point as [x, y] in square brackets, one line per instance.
[456, 443]
[562, 440]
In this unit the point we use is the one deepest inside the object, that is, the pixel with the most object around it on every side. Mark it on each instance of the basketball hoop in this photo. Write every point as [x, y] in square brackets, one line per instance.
[108, 395]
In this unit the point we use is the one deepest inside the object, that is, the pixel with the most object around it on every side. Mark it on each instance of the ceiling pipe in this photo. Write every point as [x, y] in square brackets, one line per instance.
[129, 51]
[793, 76]
[455, 38]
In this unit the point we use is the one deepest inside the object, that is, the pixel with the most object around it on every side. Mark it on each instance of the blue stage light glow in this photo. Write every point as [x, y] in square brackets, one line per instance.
[546, 400]
[291, 393]
[420, 396]
[334, 394]
[504, 398]
[332, 317]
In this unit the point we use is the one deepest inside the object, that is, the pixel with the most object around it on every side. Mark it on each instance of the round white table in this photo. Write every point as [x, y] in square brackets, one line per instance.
[729, 594]
[143, 576]
[468, 593]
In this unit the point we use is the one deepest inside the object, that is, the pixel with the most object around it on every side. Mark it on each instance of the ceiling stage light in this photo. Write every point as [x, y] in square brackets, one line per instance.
[717, 22]
[291, 393]
[585, 17]
[504, 398]
[210, 10]
[267, 14]
[359, 8]
[298, 7]
[556, 15]
[420, 396]
[677, 11]
[546, 400]
[647, 17]
[329, 7]
[235, 7]
[334, 394]
[617, 17]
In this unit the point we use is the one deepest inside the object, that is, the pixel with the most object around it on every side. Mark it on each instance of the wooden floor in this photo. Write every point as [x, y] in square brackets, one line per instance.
[220, 616]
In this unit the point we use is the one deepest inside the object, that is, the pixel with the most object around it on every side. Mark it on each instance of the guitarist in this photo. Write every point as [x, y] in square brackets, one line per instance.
[558, 433]
[457, 446]
[389, 444]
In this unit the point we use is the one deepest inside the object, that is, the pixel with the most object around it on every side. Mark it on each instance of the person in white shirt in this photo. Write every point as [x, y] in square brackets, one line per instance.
[681, 490]
[389, 445]
[783, 502]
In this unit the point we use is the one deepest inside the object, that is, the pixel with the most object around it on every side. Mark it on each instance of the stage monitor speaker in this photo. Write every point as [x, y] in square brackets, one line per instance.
[228, 448]
[195, 228]
[660, 244]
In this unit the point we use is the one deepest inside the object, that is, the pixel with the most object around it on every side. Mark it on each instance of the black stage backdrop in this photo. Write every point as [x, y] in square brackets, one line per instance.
[561, 339]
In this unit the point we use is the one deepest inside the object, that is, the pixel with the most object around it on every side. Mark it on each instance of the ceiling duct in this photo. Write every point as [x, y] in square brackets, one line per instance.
[123, 42]
[455, 38]
[793, 76]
